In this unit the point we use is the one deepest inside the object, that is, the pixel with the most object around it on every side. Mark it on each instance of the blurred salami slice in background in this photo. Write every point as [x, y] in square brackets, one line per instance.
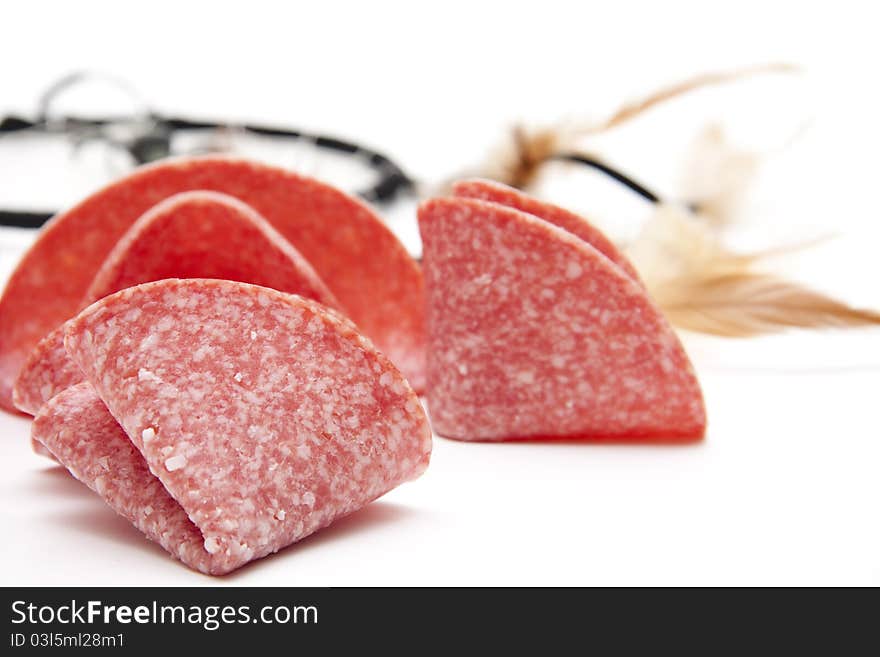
[207, 235]
[359, 259]
[189, 235]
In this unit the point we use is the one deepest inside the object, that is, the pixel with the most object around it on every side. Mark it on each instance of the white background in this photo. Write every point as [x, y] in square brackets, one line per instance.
[785, 488]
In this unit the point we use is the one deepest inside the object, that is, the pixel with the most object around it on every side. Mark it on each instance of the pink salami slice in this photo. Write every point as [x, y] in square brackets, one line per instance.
[76, 429]
[206, 235]
[533, 333]
[41, 450]
[47, 371]
[264, 415]
[495, 192]
[379, 285]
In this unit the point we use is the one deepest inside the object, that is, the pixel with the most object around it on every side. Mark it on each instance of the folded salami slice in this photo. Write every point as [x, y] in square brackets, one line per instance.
[263, 415]
[488, 190]
[206, 235]
[533, 333]
[368, 270]
[47, 371]
[78, 431]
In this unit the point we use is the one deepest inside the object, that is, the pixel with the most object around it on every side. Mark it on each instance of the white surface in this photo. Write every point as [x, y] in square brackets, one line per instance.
[783, 491]
[785, 488]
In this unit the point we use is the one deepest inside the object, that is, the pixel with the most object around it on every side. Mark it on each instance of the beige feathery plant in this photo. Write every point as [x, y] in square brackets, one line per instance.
[694, 278]
[517, 160]
[702, 286]
[716, 177]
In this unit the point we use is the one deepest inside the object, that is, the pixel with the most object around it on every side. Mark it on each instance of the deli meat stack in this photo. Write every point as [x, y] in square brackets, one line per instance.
[228, 420]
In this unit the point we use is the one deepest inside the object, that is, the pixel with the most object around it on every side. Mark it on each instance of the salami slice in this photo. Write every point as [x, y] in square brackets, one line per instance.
[378, 284]
[78, 431]
[495, 192]
[264, 415]
[41, 450]
[533, 333]
[206, 235]
[47, 371]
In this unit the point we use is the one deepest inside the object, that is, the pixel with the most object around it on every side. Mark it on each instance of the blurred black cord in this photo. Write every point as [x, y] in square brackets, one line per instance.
[622, 178]
[155, 143]
[24, 219]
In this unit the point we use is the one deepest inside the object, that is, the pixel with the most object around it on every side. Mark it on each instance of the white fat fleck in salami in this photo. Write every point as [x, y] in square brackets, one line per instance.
[320, 424]
[533, 333]
[206, 235]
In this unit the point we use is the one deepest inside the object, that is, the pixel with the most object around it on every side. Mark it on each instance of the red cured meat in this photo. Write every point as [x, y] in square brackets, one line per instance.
[495, 192]
[40, 449]
[189, 235]
[263, 415]
[206, 235]
[379, 285]
[47, 371]
[533, 333]
[77, 430]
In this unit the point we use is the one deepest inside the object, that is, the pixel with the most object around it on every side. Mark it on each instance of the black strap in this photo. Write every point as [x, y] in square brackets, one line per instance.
[622, 178]
[391, 180]
[24, 219]
[15, 123]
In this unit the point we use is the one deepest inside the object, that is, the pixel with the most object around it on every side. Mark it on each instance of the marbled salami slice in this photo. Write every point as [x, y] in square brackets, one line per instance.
[47, 371]
[78, 431]
[487, 190]
[206, 235]
[368, 270]
[533, 333]
[264, 415]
